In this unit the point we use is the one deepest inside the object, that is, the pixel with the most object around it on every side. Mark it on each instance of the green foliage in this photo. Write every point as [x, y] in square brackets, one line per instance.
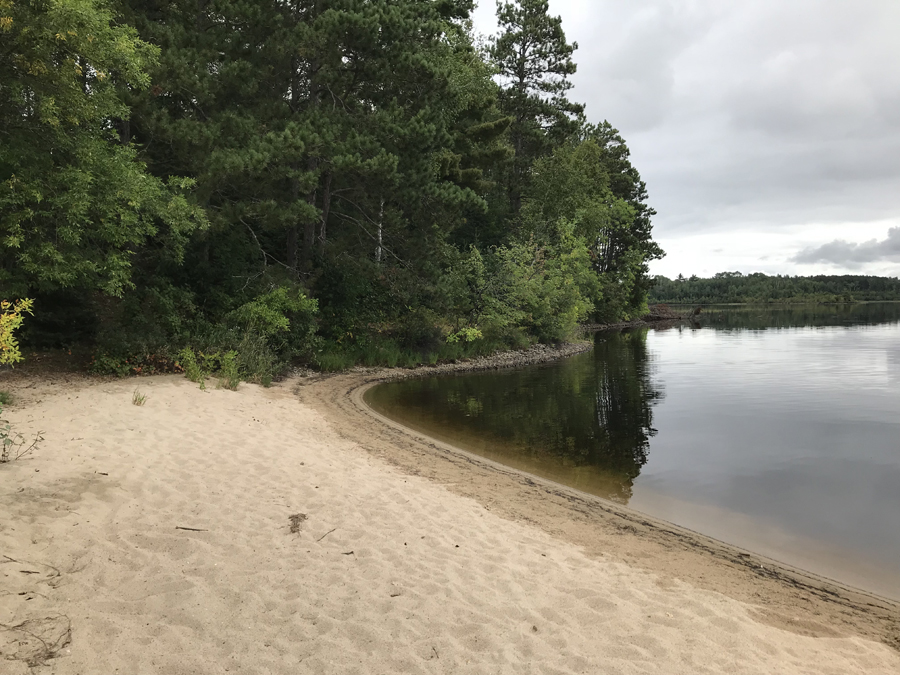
[74, 200]
[551, 286]
[285, 316]
[188, 360]
[11, 318]
[123, 364]
[137, 398]
[467, 334]
[334, 359]
[6, 398]
[543, 290]
[534, 62]
[231, 378]
[359, 183]
[575, 185]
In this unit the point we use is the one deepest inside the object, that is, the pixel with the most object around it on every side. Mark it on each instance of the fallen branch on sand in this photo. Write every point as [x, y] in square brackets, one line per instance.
[325, 535]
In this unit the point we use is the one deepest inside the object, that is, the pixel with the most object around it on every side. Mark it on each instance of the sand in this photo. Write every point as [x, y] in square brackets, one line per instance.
[386, 571]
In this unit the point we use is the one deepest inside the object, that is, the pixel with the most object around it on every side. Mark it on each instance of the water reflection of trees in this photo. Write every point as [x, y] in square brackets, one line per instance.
[623, 403]
[586, 420]
[766, 317]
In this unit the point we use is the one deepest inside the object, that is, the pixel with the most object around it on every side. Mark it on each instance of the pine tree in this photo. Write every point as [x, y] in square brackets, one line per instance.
[313, 125]
[534, 62]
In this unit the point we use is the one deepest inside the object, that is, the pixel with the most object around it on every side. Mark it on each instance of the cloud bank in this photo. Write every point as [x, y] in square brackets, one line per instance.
[764, 116]
[852, 255]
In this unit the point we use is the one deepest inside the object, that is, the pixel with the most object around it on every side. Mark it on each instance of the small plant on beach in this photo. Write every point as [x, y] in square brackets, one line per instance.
[137, 398]
[231, 378]
[13, 445]
[192, 369]
[6, 398]
[11, 317]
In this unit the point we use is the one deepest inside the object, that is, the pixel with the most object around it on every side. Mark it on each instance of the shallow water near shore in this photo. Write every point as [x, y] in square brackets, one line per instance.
[777, 430]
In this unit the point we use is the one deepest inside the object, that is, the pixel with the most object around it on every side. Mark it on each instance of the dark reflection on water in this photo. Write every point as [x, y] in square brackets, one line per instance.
[586, 421]
[762, 317]
[779, 429]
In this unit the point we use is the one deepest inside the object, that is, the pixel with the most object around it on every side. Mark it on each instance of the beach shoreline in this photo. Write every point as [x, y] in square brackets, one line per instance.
[643, 540]
[291, 529]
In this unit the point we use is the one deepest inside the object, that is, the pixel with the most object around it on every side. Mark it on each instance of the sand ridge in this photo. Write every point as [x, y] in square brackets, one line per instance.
[387, 572]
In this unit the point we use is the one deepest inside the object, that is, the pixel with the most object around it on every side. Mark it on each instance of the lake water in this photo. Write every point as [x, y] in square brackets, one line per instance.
[777, 430]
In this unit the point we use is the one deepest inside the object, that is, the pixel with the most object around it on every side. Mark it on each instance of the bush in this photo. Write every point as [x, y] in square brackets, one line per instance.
[192, 369]
[231, 378]
[284, 316]
[543, 290]
[11, 317]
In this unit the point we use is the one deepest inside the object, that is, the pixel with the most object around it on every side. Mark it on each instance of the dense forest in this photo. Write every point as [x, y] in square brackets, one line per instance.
[324, 181]
[734, 287]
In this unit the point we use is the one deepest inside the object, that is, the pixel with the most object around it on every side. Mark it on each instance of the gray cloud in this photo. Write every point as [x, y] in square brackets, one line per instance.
[765, 116]
[853, 255]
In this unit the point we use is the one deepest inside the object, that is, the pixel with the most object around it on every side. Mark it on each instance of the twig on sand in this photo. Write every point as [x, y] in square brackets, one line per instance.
[190, 529]
[35, 641]
[325, 535]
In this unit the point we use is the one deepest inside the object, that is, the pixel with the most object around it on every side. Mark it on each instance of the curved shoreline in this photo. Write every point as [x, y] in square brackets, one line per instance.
[789, 598]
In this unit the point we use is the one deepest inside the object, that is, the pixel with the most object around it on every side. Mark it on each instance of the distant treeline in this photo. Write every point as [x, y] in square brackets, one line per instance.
[729, 287]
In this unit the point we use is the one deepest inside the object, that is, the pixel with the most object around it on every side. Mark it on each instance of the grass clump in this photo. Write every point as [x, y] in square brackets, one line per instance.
[230, 377]
[192, 368]
[6, 398]
[335, 359]
[137, 398]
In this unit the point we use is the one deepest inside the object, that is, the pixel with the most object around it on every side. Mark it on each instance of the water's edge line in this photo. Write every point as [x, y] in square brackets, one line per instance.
[752, 561]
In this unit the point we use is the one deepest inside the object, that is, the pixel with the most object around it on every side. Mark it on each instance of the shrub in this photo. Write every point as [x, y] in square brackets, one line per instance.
[231, 378]
[192, 369]
[11, 317]
[284, 316]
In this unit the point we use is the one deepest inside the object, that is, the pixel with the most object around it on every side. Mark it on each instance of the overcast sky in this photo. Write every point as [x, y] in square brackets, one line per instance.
[768, 131]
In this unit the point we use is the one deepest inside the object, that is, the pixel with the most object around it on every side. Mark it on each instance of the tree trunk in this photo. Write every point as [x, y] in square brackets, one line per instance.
[378, 249]
[293, 235]
[326, 207]
[309, 227]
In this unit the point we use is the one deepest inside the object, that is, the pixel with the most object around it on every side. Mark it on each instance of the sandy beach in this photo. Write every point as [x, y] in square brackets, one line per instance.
[291, 530]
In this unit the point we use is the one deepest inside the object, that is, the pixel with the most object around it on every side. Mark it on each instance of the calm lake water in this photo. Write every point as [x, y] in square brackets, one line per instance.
[777, 430]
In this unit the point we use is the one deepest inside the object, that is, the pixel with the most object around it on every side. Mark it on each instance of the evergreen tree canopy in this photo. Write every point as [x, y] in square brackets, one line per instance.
[347, 174]
[533, 61]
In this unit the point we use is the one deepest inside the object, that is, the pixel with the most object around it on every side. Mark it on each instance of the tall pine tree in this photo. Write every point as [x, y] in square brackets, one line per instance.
[534, 62]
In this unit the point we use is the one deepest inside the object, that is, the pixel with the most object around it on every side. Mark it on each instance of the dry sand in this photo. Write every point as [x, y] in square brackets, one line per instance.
[465, 568]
